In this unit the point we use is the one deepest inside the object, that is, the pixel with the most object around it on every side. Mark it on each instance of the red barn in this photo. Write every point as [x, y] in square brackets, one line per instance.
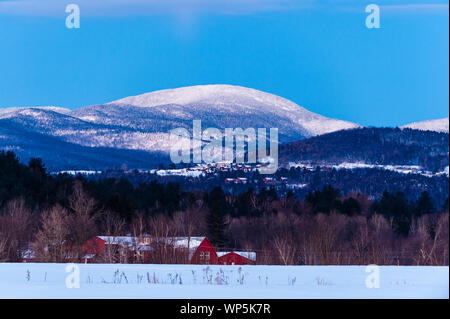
[200, 250]
[237, 258]
[94, 246]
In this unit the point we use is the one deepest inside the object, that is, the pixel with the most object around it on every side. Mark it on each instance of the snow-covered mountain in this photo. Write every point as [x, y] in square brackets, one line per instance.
[220, 106]
[439, 125]
[143, 122]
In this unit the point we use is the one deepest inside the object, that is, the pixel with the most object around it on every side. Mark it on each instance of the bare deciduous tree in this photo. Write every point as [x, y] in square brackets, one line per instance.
[52, 235]
[164, 231]
[429, 236]
[138, 228]
[15, 229]
[285, 248]
[112, 226]
[82, 221]
[191, 221]
[3, 249]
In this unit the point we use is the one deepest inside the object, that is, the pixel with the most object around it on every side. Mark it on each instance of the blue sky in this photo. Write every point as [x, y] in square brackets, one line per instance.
[317, 53]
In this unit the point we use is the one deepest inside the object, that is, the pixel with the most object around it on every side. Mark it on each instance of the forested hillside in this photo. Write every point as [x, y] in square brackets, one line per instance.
[381, 146]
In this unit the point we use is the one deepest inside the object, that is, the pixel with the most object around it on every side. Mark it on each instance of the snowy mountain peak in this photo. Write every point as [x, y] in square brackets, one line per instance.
[235, 101]
[439, 125]
[215, 94]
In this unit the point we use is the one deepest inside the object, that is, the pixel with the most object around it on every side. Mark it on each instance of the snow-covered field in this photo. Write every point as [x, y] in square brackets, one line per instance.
[33, 280]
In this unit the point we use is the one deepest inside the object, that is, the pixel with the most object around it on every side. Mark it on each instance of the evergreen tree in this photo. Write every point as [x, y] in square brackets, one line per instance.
[216, 219]
[37, 167]
[445, 206]
[424, 204]
[350, 207]
[324, 201]
[395, 206]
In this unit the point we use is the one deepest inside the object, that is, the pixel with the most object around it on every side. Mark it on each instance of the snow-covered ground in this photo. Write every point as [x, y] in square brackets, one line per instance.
[33, 280]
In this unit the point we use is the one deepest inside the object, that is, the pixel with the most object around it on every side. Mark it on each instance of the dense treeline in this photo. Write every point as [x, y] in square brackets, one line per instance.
[372, 182]
[41, 212]
[42, 191]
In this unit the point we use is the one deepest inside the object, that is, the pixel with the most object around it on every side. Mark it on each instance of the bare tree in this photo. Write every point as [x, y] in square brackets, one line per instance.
[320, 239]
[429, 240]
[360, 241]
[112, 226]
[15, 229]
[382, 241]
[80, 202]
[50, 240]
[138, 227]
[3, 249]
[82, 222]
[164, 231]
[190, 221]
[285, 248]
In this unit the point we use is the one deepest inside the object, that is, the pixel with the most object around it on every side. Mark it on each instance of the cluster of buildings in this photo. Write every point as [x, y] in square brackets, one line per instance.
[206, 169]
[203, 170]
[144, 249]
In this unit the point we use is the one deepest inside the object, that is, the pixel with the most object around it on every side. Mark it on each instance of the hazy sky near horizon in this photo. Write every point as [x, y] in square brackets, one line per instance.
[317, 53]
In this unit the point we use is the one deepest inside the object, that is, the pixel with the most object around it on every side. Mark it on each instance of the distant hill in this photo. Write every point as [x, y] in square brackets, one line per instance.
[381, 146]
[61, 155]
[439, 125]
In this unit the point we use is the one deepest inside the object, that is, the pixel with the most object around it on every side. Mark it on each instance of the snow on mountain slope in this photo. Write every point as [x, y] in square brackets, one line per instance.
[13, 111]
[235, 100]
[59, 154]
[220, 95]
[439, 125]
[144, 122]
[74, 130]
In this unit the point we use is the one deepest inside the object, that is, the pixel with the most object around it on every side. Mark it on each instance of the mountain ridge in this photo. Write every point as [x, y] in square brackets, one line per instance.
[143, 122]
